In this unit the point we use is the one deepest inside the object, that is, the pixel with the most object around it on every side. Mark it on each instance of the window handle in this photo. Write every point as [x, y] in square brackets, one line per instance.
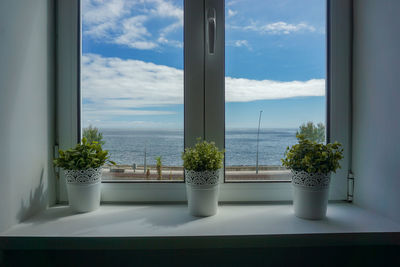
[211, 29]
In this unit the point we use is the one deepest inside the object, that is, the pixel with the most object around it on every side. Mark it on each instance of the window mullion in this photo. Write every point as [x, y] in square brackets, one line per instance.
[68, 79]
[215, 74]
[339, 86]
[193, 71]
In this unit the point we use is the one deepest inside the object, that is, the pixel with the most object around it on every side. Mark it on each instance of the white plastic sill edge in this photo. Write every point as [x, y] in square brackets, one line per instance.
[172, 221]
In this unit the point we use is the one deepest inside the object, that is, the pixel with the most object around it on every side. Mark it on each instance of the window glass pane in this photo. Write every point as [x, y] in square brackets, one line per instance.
[132, 85]
[276, 69]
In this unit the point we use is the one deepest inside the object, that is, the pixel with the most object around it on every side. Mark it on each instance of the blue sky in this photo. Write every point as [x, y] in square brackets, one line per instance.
[133, 59]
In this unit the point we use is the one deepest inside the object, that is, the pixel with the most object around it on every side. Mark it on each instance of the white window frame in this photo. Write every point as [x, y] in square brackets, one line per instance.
[204, 102]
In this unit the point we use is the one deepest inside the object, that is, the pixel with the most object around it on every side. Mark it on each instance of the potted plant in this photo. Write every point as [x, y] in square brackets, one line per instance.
[203, 164]
[82, 166]
[311, 164]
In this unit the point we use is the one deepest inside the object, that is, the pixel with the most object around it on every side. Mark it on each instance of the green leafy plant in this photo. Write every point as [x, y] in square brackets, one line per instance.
[204, 156]
[92, 134]
[159, 163]
[159, 166]
[84, 156]
[312, 157]
[312, 132]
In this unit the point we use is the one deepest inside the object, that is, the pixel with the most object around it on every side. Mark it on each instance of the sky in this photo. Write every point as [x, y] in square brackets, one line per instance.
[132, 63]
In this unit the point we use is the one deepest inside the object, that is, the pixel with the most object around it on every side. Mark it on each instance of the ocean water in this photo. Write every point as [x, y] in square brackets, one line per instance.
[128, 146]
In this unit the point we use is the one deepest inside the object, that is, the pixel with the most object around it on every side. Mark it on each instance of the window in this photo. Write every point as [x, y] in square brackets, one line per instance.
[204, 81]
[275, 82]
[132, 86]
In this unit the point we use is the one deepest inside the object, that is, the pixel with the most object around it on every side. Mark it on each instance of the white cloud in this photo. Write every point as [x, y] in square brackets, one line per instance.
[124, 112]
[240, 43]
[232, 2]
[245, 90]
[163, 40]
[126, 87]
[134, 34]
[276, 28]
[286, 28]
[113, 82]
[231, 13]
[97, 11]
[165, 8]
[120, 124]
[101, 17]
[124, 22]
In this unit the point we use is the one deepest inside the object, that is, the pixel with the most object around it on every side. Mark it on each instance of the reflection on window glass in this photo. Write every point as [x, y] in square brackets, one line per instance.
[275, 83]
[132, 85]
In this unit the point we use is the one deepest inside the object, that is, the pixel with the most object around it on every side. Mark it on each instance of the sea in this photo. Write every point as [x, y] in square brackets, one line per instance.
[129, 147]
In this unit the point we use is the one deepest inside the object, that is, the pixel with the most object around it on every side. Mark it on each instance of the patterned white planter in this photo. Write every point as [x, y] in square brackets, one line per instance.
[202, 190]
[310, 194]
[84, 189]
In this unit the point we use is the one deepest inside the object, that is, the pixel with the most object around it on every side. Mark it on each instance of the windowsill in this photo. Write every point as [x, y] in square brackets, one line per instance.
[170, 226]
[243, 174]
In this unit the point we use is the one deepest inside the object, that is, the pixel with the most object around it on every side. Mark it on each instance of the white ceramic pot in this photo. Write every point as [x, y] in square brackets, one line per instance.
[202, 190]
[84, 189]
[310, 194]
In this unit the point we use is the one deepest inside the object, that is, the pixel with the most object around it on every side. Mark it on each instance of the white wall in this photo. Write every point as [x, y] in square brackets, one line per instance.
[376, 105]
[26, 108]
